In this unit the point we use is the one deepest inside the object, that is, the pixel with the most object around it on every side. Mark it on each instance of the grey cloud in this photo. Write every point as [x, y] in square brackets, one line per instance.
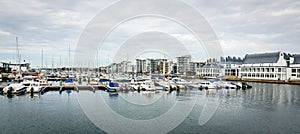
[259, 25]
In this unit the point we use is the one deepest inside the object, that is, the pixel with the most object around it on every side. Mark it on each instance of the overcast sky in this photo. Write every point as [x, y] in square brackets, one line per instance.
[242, 27]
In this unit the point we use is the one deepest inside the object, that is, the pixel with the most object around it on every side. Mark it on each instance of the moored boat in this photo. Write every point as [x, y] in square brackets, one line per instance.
[112, 87]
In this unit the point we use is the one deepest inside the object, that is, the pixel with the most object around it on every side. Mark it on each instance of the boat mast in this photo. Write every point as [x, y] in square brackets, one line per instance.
[69, 60]
[97, 69]
[18, 55]
[52, 65]
[42, 58]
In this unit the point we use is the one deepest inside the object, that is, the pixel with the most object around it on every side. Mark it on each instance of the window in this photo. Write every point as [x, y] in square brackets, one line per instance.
[293, 70]
[298, 70]
[272, 70]
[267, 69]
[258, 69]
[298, 75]
[279, 69]
[293, 74]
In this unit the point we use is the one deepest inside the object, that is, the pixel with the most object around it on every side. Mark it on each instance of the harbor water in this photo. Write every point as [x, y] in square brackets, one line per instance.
[266, 108]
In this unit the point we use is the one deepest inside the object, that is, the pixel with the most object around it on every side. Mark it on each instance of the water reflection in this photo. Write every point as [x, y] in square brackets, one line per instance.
[261, 109]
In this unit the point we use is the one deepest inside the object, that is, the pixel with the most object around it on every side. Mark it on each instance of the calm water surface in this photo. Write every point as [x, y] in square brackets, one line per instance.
[266, 108]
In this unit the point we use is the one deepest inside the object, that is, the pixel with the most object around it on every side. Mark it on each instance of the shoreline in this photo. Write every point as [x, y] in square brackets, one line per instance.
[230, 78]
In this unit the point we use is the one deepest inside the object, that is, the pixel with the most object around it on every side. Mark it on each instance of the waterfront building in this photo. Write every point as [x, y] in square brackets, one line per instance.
[142, 66]
[194, 66]
[14, 67]
[232, 66]
[211, 69]
[174, 68]
[293, 72]
[124, 67]
[164, 66]
[265, 66]
[183, 64]
[154, 66]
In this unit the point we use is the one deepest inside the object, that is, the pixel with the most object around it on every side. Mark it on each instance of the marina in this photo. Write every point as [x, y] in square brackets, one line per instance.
[149, 67]
[244, 109]
[212, 93]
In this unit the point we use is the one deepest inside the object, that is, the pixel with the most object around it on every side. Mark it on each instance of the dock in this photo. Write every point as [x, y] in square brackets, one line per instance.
[70, 87]
[230, 78]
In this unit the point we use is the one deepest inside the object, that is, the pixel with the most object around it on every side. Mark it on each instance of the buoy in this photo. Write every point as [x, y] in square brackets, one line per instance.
[200, 88]
[42, 91]
[206, 88]
[139, 89]
[31, 91]
[9, 92]
[226, 87]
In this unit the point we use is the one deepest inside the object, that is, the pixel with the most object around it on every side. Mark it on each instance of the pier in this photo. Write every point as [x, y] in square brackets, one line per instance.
[292, 82]
[73, 87]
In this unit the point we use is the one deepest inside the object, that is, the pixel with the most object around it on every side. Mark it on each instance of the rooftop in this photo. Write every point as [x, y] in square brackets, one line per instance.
[261, 58]
[296, 59]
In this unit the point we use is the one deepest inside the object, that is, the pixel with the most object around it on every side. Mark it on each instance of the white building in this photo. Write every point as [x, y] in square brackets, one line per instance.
[125, 67]
[211, 69]
[293, 72]
[15, 67]
[265, 66]
[232, 66]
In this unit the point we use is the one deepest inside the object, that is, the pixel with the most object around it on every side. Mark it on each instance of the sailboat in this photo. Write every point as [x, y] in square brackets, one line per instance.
[18, 76]
[69, 82]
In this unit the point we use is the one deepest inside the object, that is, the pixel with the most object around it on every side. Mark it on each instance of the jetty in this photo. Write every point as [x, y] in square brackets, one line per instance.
[234, 78]
[70, 87]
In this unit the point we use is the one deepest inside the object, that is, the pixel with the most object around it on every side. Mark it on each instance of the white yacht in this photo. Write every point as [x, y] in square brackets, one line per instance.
[34, 87]
[148, 85]
[166, 84]
[14, 88]
[207, 85]
[181, 83]
[68, 83]
[94, 81]
[44, 83]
